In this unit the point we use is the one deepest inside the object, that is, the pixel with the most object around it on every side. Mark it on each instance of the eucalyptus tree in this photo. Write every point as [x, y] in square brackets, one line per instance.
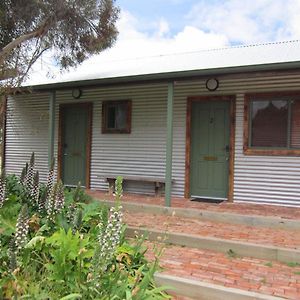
[72, 30]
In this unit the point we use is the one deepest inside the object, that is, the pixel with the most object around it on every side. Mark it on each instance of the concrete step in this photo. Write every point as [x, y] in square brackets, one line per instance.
[216, 244]
[250, 234]
[199, 290]
[215, 216]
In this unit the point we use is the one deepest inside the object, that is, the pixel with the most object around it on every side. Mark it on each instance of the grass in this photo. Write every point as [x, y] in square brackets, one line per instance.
[263, 281]
[293, 264]
[269, 264]
[232, 254]
[297, 273]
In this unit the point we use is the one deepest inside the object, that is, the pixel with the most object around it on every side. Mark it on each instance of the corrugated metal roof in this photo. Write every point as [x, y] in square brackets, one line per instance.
[213, 59]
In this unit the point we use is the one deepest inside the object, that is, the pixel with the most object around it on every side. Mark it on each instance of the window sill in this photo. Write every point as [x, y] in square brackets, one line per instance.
[116, 131]
[269, 152]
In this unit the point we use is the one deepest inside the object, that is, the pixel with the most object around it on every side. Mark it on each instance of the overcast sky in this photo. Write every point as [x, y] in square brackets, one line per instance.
[154, 27]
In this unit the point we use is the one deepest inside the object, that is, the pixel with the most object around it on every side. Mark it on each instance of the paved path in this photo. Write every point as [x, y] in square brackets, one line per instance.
[256, 275]
[240, 208]
[227, 270]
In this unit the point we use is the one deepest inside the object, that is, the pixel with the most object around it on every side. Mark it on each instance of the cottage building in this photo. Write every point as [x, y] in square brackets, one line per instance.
[215, 124]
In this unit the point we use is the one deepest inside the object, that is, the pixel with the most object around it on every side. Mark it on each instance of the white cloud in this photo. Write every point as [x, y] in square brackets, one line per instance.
[248, 21]
[133, 43]
[163, 28]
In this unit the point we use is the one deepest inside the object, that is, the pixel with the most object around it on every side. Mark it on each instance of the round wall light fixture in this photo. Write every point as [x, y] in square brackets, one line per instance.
[76, 93]
[212, 84]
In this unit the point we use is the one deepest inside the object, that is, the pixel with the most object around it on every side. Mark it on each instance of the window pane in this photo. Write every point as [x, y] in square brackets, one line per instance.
[269, 123]
[295, 124]
[121, 116]
[116, 116]
[111, 117]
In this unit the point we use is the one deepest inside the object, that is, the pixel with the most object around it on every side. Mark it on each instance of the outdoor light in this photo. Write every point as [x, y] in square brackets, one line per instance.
[212, 84]
[76, 93]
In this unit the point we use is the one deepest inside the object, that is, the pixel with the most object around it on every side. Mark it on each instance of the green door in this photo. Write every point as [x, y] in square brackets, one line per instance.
[74, 144]
[210, 137]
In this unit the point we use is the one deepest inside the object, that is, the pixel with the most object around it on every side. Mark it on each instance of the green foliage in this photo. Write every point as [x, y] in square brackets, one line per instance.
[297, 273]
[69, 252]
[64, 257]
[293, 264]
[269, 264]
[74, 30]
[231, 254]
[13, 185]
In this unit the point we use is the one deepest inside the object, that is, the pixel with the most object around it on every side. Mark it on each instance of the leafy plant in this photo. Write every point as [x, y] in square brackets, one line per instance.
[57, 243]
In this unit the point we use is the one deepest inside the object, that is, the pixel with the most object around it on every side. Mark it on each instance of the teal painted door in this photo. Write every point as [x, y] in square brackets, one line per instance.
[210, 137]
[74, 145]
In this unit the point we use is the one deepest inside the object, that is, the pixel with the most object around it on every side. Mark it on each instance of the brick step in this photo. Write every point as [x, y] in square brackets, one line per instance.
[231, 214]
[203, 274]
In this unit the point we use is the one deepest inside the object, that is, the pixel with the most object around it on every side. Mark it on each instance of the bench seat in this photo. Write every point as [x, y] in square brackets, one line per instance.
[158, 182]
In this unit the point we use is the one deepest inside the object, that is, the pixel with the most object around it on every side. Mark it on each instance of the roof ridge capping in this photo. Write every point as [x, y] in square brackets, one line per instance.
[250, 45]
[210, 50]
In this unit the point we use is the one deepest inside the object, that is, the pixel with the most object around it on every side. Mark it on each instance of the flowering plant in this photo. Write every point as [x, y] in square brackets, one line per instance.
[57, 243]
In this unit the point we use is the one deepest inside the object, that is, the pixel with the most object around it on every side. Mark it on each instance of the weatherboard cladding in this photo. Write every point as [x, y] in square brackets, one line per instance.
[265, 179]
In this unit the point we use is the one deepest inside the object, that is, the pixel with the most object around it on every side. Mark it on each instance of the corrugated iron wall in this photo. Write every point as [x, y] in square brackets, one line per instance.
[142, 152]
[27, 132]
[266, 179]
[260, 179]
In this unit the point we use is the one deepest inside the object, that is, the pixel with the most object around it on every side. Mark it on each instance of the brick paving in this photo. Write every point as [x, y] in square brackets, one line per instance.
[265, 236]
[256, 275]
[240, 208]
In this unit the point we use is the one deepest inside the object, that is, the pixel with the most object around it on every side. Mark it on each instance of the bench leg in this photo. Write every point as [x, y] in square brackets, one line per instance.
[111, 186]
[157, 187]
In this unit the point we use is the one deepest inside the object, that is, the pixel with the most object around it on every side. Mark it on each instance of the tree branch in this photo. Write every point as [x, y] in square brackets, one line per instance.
[36, 55]
[39, 32]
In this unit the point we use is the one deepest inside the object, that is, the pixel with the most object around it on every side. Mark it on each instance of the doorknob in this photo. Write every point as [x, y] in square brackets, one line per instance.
[226, 148]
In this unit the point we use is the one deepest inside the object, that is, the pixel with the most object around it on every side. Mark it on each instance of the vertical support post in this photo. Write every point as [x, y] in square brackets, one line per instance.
[169, 146]
[51, 127]
[3, 119]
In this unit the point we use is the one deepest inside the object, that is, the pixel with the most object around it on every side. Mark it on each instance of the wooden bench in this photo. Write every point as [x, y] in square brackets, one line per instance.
[158, 182]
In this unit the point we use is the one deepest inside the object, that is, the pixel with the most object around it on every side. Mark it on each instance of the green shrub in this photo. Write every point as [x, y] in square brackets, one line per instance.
[57, 243]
